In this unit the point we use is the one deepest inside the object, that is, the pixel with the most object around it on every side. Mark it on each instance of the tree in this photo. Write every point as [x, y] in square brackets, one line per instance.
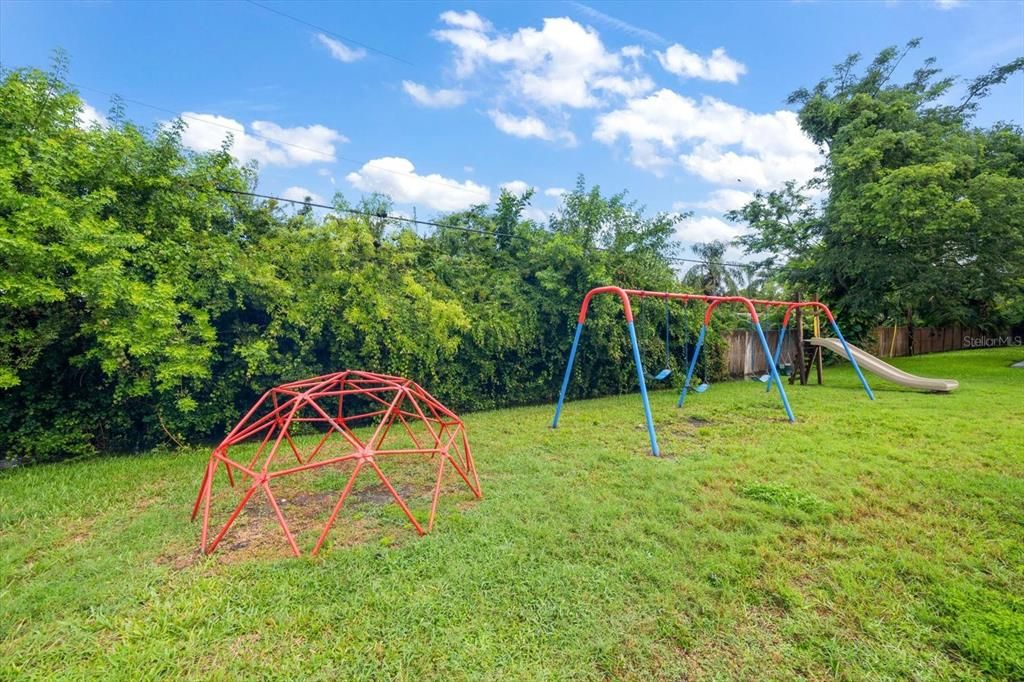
[712, 276]
[922, 216]
[508, 213]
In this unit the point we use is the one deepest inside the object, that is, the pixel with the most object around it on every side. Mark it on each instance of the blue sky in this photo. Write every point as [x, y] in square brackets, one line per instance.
[440, 104]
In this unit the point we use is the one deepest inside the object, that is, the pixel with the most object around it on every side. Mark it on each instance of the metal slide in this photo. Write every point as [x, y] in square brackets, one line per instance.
[885, 370]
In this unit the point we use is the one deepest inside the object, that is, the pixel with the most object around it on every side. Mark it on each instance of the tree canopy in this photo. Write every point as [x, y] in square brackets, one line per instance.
[917, 214]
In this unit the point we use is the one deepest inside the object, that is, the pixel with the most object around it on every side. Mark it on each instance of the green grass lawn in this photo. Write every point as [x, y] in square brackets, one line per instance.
[869, 540]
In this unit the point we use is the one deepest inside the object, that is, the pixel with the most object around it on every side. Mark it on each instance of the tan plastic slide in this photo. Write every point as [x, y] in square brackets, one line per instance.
[870, 363]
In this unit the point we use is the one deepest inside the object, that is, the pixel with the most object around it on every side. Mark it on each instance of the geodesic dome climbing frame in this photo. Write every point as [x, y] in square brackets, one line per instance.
[382, 410]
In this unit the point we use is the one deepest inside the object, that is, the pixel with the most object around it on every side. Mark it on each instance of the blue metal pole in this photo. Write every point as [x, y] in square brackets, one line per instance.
[643, 389]
[774, 371]
[853, 360]
[693, 363]
[775, 358]
[568, 373]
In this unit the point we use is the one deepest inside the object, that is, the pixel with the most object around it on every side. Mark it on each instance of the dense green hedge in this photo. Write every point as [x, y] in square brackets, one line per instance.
[140, 304]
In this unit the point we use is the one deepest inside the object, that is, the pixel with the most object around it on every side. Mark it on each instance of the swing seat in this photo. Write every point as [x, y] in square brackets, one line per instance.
[765, 378]
[663, 374]
[702, 387]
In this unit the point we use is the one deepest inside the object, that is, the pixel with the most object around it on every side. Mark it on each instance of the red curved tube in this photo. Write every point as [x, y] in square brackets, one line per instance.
[718, 300]
[619, 291]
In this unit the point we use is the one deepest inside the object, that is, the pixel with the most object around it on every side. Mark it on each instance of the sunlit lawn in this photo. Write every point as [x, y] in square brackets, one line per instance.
[869, 540]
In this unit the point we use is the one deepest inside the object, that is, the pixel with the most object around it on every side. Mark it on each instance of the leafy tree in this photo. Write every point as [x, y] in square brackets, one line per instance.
[713, 276]
[923, 216]
[508, 214]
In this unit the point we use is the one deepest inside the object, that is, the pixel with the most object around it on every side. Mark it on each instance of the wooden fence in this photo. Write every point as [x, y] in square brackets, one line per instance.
[745, 357]
[928, 340]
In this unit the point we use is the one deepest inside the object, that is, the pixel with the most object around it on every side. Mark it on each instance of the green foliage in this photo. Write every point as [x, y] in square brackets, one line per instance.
[140, 304]
[713, 277]
[923, 218]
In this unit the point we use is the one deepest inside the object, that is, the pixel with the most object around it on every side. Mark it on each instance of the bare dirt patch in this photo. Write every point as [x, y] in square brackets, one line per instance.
[306, 502]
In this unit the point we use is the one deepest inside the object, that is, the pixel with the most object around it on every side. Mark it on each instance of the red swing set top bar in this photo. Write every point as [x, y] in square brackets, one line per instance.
[713, 301]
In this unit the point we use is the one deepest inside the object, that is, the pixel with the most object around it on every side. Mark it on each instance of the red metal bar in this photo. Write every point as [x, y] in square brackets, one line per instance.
[280, 519]
[618, 291]
[313, 465]
[231, 519]
[337, 507]
[437, 494]
[398, 498]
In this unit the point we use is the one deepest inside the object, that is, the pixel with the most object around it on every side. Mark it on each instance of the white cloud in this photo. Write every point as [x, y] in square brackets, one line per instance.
[555, 192]
[434, 99]
[720, 200]
[535, 214]
[530, 126]
[397, 177]
[726, 143]
[557, 65]
[468, 169]
[718, 67]
[948, 4]
[762, 170]
[89, 116]
[469, 20]
[266, 142]
[707, 228]
[632, 87]
[517, 187]
[300, 194]
[341, 51]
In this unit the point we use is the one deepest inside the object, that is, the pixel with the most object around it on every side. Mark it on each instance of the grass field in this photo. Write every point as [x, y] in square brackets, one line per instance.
[868, 540]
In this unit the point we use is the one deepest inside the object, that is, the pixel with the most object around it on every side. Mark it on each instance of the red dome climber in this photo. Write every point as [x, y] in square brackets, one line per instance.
[396, 409]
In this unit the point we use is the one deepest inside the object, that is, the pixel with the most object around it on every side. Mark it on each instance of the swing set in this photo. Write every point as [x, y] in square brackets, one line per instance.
[712, 302]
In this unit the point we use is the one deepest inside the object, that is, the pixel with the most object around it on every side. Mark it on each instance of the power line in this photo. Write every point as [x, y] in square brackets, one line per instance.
[430, 223]
[367, 214]
[329, 32]
[327, 155]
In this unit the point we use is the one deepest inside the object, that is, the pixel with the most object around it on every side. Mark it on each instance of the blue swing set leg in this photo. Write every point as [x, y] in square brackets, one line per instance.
[655, 450]
[778, 353]
[693, 364]
[839, 335]
[772, 369]
[853, 360]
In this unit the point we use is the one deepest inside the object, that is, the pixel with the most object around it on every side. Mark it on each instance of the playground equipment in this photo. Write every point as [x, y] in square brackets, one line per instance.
[667, 371]
[428, 429]
[712, 303]
[885, 370]
[791, 307]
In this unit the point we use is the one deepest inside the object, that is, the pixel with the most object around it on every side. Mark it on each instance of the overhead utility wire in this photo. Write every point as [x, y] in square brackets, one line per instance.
[329, 156]
[330, 33]
[429, 223]
[368, 214]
